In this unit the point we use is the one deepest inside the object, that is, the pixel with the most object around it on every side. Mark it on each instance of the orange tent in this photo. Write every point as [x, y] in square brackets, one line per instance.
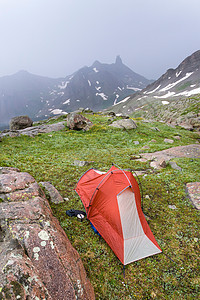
[113, 205]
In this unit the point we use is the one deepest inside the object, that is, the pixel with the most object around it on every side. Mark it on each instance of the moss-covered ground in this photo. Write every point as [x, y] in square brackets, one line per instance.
[174, 274]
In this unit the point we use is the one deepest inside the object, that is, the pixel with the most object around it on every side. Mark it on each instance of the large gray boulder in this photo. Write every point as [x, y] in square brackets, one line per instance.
[78, 122]
[20, 122]
[35, 130]
[124, 124]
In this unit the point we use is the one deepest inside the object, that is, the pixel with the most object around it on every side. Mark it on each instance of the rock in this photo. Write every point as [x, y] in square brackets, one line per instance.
[186, 126]
[145, 147]
[155, 128]
[172, 206]
[37, 261]
[196, 126]
[13, 134]
[159, 163]
[43, 129]
[139, 173]
[35, 130]
[142, 159]
[172, 124]
[177, 137]
[190, 151]
[153, 141]
[124, 117]
[175, 166]
[66, 199]
[7, 170]
[80, 163]
[124, 124]
[78, 122]
[136, 142]
[168, 141]
[193, 190]
[87, 110]
[132, 157]
[111, 113]
[20, 122]
[53, 193]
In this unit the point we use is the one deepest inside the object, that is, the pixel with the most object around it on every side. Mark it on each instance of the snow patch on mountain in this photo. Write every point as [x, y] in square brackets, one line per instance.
[189, 93]
[102, 95]
[124, 100]
[154, 90]
[63, 85]
[67, 102]
[165, 102]
[169, 94]
[133, 88]
[115, 101]
[178, 73]
[95, 70]
[98, 88]
[171, 85]
[56, 111]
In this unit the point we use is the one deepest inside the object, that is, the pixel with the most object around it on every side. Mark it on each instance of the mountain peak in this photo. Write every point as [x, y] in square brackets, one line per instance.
[22, 72]
[96, 63]
[118, 60]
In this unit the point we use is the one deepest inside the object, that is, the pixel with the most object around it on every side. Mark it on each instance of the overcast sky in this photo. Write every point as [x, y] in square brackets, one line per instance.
[55, 38]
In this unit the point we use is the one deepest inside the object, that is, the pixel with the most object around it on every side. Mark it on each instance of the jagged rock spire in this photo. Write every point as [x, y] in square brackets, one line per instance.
[118, 60]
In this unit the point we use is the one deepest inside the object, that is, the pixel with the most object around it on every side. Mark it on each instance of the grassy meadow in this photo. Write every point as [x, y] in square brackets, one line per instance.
[174, 274]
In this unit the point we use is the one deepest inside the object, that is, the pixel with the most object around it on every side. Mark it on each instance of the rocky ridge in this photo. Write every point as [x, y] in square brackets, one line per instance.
[96, 87]
[182, 112]
[174, 85]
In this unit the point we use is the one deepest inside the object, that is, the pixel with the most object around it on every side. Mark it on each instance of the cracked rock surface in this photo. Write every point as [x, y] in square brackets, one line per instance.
[37, 261]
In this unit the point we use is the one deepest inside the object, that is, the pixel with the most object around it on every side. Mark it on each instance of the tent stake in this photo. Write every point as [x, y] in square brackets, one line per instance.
[124, 271]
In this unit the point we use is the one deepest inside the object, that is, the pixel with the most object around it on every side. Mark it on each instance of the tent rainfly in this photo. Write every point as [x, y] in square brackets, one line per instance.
[113, 205]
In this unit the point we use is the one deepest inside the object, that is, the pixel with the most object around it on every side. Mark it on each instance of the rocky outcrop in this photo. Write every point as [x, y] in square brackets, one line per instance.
[53, 194]
[35, 130]
[37, 261]
[193, 190]
[159, 159]
[20, 122]
[78, 122]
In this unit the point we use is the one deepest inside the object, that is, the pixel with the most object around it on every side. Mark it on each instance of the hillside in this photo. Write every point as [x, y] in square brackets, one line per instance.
[175, 84]
[96, 87]
[169, 212]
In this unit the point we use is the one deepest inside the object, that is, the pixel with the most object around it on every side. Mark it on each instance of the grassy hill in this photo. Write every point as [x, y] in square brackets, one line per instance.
[49, 157]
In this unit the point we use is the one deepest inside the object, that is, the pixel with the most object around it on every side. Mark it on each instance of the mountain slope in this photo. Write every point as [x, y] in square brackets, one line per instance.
[97, 87]
[184, 81]
[23, 93]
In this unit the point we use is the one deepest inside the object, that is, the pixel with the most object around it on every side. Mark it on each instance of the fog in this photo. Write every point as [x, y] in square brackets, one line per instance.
[55, 38]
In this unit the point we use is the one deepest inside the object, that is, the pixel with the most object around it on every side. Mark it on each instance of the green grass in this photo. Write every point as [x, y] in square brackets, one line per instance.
[183, 86]
[49, 157]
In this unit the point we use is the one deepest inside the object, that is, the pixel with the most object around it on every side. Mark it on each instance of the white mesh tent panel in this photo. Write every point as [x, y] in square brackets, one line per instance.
[136, 244]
